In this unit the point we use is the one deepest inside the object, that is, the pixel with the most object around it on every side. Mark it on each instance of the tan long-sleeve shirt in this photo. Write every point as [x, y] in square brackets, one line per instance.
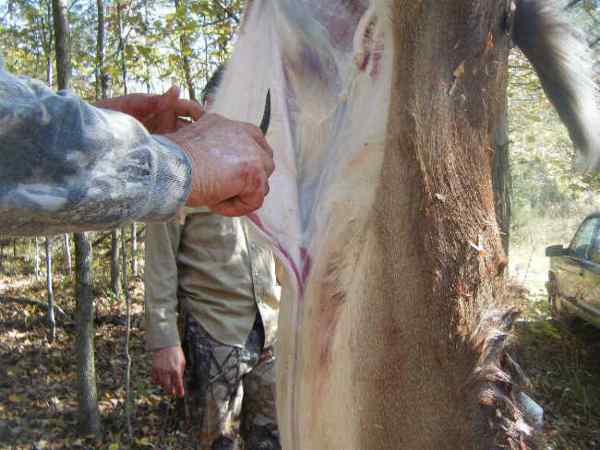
[214, 267]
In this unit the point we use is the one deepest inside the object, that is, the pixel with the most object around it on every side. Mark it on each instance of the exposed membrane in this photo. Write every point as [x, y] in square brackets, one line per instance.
[328, 68]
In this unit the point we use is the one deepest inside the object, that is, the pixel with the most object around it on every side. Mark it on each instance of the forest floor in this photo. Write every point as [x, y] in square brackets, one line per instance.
[562, 363]
[38, 400]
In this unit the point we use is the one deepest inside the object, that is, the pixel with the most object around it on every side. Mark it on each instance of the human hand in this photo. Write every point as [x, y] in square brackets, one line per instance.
[167, 370]
[231, 164]
[160, 114]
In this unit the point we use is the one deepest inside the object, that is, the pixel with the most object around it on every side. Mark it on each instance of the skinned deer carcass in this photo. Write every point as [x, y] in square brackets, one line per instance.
[381, 209]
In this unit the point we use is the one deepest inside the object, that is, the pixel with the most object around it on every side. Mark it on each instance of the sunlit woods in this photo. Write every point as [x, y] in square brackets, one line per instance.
[548, 202]
[549, 198]
[80, 322]
[544, 184]
[151, 36]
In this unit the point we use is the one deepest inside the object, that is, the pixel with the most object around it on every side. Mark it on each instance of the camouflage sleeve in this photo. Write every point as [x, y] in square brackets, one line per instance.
[67, 166]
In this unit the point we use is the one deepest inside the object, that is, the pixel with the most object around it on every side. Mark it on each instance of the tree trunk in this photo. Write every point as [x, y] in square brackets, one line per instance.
[67, 252]
[501, 178]
[115, 280]
[89, 415]
[36, 260]
[88, 404]
[134, 266]
[62, 44]
[49, 72]
[184, 47]
[49, 288]
[49, 47]
[147, 42]
[63, 71]
[122, 45]
[127, 338]
[114, 264]
[61, 34]
[101, 77]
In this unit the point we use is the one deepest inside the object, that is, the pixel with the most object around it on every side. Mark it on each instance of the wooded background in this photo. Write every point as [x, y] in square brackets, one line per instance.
[130, 45]
[78, 368]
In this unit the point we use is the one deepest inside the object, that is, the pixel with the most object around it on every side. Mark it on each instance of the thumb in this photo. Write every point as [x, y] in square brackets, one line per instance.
[177, 380]
[169, 98]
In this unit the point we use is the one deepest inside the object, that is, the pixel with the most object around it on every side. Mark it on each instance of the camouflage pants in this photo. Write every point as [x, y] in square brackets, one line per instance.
[230, 391]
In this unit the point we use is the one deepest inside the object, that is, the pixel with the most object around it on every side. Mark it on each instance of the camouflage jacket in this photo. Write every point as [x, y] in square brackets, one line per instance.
[68, 166]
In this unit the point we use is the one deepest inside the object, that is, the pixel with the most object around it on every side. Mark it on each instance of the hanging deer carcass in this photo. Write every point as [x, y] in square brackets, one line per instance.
[381, 207]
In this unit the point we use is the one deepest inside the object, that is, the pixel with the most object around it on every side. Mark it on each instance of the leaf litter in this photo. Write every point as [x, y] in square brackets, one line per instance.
[38, 391]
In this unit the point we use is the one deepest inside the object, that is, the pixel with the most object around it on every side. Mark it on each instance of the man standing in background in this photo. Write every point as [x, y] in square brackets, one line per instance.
[223, 284]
